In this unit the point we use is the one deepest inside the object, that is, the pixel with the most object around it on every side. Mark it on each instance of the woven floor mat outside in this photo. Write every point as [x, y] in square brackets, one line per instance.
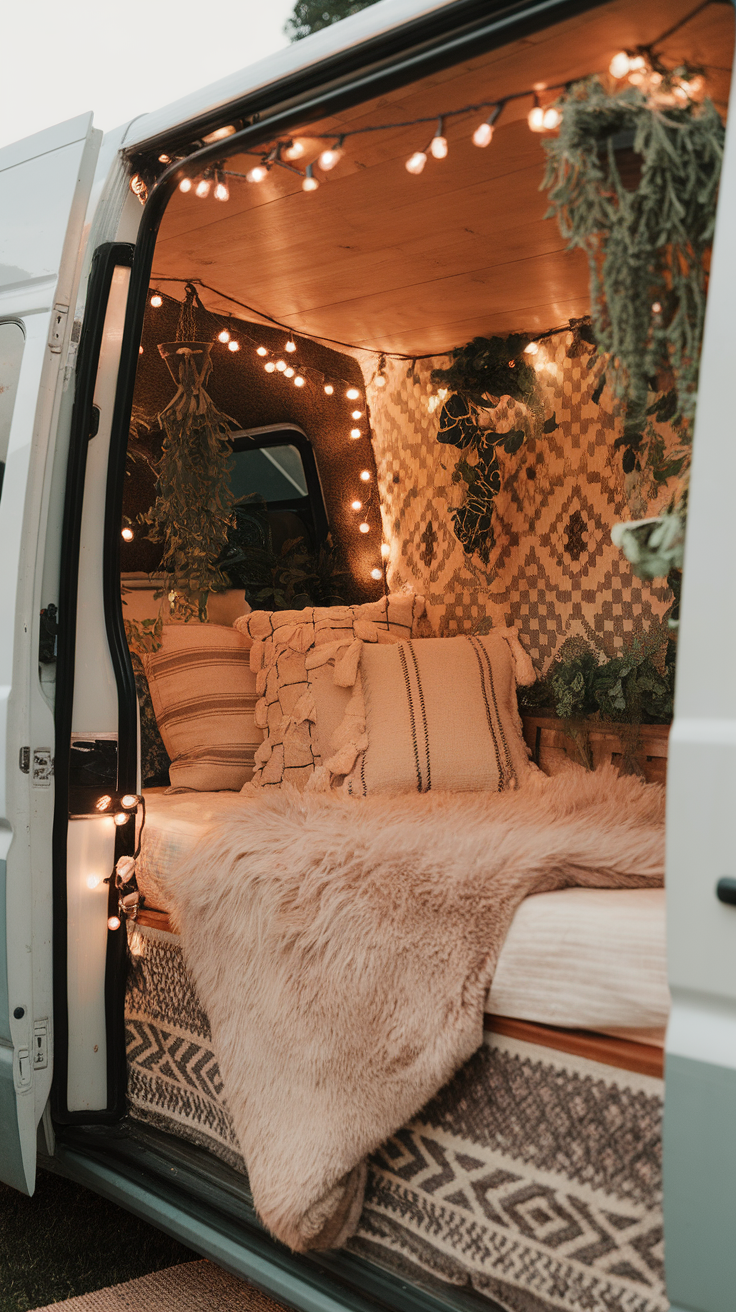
[191, 1287]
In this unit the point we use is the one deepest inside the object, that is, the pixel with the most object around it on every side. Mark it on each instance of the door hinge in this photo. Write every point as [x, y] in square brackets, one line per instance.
[47, 632]
[58, 325]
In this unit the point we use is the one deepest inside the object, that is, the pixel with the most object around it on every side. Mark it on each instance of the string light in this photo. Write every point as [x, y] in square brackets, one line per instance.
[257, 173]
[357, 414]
[356, 432]
[332, 156]
[281, 365]
[140, 350]
[531, 349]
[185, 184]
[293, 150]
[380, 380]
[551, 118]
[129, 801]
[376, 574]
[352, 394]
[310, 183]
[356, 505]
[233, 345]
[438, 144]
[261, 350]
[290, 346]
[121, 818]
[365, 476]
[103, 802]
[202, 188]
[270, 367]
[385, 550]
[224, 336]
[221, 191]
[535, 117]
[483, 134]
[93, 881]
[289, 373]
[126, 534]
[156, 300]
[164, 159]
[329, 389]
[299, 381]
[364, 528]
[416, 162]
[113, 922]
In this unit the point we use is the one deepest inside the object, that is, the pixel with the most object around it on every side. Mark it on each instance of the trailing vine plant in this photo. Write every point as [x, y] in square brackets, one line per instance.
[479, 374]
[191, 515]
[647, 249]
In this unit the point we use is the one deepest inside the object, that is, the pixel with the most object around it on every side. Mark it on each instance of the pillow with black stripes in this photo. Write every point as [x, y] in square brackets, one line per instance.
[439, 713]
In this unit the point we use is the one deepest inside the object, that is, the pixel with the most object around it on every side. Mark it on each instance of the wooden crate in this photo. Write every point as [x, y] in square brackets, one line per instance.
[599, 742]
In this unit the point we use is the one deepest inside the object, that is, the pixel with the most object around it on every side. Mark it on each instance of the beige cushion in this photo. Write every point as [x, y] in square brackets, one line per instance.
[204, 698]
[437, 714]
[286, 646]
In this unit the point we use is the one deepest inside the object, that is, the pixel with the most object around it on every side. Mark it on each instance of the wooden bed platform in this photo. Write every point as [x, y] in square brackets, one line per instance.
[644, 1058]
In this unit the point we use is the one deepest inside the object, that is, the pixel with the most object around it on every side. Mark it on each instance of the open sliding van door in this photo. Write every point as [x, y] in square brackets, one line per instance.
[700, 1086]
[45, 184]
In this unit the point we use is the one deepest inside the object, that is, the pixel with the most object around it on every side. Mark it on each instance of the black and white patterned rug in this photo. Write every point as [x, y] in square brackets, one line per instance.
[533, 1177]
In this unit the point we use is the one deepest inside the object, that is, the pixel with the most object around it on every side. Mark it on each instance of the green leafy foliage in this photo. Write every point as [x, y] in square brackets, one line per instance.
[646, 246]
[479, 375]
[632, 688]
[314, 15]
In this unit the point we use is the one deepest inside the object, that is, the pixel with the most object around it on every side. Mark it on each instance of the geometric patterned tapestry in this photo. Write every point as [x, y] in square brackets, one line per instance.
[553, 569]
[533, 1178]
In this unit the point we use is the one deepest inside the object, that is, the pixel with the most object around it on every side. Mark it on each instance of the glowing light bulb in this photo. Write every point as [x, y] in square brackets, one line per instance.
[156, 300]
[289, 373]
[376, 574]
[357, 414]
[356, 432]
[257, 173]
[365, 476]
[202, 188]
[656, 307]
[637, 64]
[221, 191]
[330, 157]
[93, 881]
[619, 65]
[126, 534]
[352, 394]
[113, 922]
[385, 550]
[164, 159]
[364, 528]
[551, 119]
[416, 162]
[224, 336]
[531, 349]
[299, 381]
[121, 818]
[483, 134]
[535, 118]
[329, 389]
[356, 505]
[261, 350]
[129, 800]
[310, 183]
[140, 350]
[379, 380]
[438, 146]
[185, 184]
[103, 802]
[219, 134]
[290, 346]
[233, 345]
[281, 365]
[294, 150]
[269, 367]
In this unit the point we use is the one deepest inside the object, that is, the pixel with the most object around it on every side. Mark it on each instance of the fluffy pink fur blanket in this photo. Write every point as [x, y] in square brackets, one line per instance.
[343, 951]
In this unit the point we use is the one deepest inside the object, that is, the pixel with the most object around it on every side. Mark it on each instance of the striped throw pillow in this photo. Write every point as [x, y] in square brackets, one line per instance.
[439, 714]
[204, 697]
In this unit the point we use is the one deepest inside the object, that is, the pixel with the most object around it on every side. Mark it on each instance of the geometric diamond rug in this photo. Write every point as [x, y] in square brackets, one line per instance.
[191, 1287]
[534, 1178]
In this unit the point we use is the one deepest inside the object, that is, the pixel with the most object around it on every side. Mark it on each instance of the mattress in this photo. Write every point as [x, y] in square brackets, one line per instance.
[581, 958]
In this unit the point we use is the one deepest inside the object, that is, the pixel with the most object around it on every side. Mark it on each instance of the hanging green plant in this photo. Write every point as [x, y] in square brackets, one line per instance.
[647, 245]
[192, 511]
[480, 373]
